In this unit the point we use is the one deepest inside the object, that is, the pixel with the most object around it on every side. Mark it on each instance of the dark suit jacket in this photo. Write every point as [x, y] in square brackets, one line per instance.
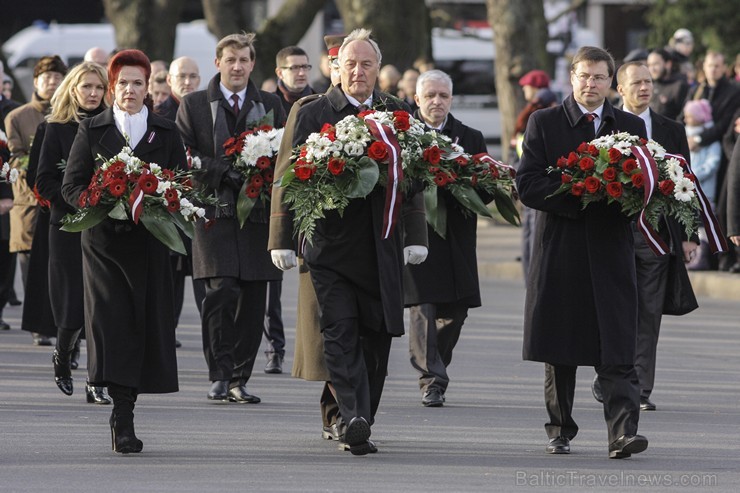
[225, 249]
[168, 108]
[581, 301]
[351, 246]
[129, 314]
[450, 272]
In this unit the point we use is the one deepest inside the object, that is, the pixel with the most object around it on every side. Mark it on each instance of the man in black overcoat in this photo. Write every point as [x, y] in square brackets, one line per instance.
[234, 261]
[635, 87]
[439, 291]
[581, 301]
[356, 273]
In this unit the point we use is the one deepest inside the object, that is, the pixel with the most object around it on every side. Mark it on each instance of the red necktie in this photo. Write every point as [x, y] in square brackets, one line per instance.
[590, 117]
[235, 106]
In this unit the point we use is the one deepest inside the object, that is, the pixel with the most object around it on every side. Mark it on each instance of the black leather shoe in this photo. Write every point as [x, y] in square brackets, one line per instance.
[558, 445]
[240, 395]
[274, 363]
[97, 395]
[219, 391]
[626, 445]
[4, 325]
[62, 374]
[596, 389]
[15, 302]
[646, 404]
[357, 436]
[39, 340]
[331, 433]
[433, 397]
[178, 344]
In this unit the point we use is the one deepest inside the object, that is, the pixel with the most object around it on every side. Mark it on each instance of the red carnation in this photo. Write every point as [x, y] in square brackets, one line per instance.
[148, 183]
[610, 174]
[614, 155]
[304, 172]
[377, 151]
[629, 165]
[432, 155]
[577, 189]
[614, 189]
[592, 184]
[263, 162]
[586, 164]
[638, 180]
[335, 166]
[666, 187]
[402, 124]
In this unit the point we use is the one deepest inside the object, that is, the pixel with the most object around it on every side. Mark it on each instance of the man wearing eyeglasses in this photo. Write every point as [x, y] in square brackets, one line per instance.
[183, 78]
[292, 70]
[581, 302]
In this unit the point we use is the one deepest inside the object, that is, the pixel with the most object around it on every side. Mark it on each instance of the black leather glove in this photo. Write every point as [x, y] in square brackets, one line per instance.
[233, 179]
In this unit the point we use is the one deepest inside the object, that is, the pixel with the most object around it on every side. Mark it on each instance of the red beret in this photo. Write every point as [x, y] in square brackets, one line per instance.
[535, 78]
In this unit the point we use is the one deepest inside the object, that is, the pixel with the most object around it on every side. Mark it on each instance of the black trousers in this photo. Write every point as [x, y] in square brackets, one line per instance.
[7, 274]
[357, 361]
[233, 313]
[652, 275]
[434, 330]
[621, 393]
[179, 274]
[274, 331]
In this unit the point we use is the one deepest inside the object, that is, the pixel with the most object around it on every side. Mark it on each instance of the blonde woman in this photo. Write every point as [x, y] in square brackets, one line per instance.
[80, 95]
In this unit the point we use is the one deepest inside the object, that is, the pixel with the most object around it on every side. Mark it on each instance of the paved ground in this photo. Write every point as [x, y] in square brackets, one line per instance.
[488, 437]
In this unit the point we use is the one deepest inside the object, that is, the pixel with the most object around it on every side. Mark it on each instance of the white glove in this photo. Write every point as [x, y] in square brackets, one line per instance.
[414, 254]
[283, 259]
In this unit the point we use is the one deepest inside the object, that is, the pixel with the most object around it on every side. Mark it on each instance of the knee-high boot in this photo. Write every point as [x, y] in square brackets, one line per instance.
[123, 437]
[66, 339]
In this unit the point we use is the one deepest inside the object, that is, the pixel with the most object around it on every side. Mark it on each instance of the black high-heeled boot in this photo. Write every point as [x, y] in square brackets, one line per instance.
[61, 359]
[74, 361]
[96, 394]
[123, 437]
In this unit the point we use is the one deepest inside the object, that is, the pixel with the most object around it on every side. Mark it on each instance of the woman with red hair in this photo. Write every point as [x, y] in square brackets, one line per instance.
[129, 316]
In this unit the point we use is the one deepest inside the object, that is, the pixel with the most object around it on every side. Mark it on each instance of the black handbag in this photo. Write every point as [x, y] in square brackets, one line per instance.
[679, 295]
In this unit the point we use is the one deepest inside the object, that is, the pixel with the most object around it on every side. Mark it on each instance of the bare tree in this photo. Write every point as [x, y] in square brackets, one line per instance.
[402, 28]
[148, 25]
[520, 36]
[286, 28]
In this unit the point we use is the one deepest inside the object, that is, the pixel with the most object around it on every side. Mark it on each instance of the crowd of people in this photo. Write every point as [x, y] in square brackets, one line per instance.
[121, 290]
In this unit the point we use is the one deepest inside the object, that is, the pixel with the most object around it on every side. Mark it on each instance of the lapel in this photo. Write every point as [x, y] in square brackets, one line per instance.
[660, 132]
[152, 139]
[112, 140]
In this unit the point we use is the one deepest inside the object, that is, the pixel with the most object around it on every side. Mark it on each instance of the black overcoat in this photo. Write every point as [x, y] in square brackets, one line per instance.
[65, 253]
[351, 246]
[222, 248]
[581, 301]
[450, 272]
[129, 314]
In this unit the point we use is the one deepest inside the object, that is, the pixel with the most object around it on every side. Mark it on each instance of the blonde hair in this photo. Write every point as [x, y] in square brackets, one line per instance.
[64, 104]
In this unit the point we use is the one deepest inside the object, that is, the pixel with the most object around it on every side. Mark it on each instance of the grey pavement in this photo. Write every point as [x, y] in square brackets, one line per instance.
[488, 437]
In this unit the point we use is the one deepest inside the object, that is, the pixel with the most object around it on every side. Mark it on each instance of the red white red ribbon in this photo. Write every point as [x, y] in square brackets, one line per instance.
[384, 134]
[715, 237]
[136, 200]
[650, 172]
[484, 157]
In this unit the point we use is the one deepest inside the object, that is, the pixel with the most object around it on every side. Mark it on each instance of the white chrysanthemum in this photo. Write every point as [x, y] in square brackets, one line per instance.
[674, 169]
[353, 148]
[684, 190]
[604, 142]
[163, 185]
[623, 147]
[657, 150]
[382, 117]
[13, 176]
[318, 147]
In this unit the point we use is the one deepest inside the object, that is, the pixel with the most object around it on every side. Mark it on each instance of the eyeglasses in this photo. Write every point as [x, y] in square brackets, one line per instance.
[598, 79]
[187, 76]
[297, 68]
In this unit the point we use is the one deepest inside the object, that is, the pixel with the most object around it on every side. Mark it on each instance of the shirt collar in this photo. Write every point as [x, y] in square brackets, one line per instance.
[228, 92]
[354, 102]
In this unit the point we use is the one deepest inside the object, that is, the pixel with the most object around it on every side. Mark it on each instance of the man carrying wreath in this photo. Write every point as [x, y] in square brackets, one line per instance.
[357, 273]
[581, 302]
[232, 259]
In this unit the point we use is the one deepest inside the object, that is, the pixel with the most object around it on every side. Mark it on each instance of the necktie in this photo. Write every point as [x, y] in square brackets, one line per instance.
[235, 106]
[362, 107]
[590, 117]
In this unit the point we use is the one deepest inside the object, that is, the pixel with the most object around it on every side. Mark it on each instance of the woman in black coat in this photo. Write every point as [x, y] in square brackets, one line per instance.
[81, 95]
[129, 315]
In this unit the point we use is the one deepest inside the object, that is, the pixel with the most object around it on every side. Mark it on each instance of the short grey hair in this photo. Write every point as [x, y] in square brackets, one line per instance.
[433, 76]
[360, 35]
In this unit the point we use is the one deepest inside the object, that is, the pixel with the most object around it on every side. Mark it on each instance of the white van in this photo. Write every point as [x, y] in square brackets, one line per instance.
[71, 41]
